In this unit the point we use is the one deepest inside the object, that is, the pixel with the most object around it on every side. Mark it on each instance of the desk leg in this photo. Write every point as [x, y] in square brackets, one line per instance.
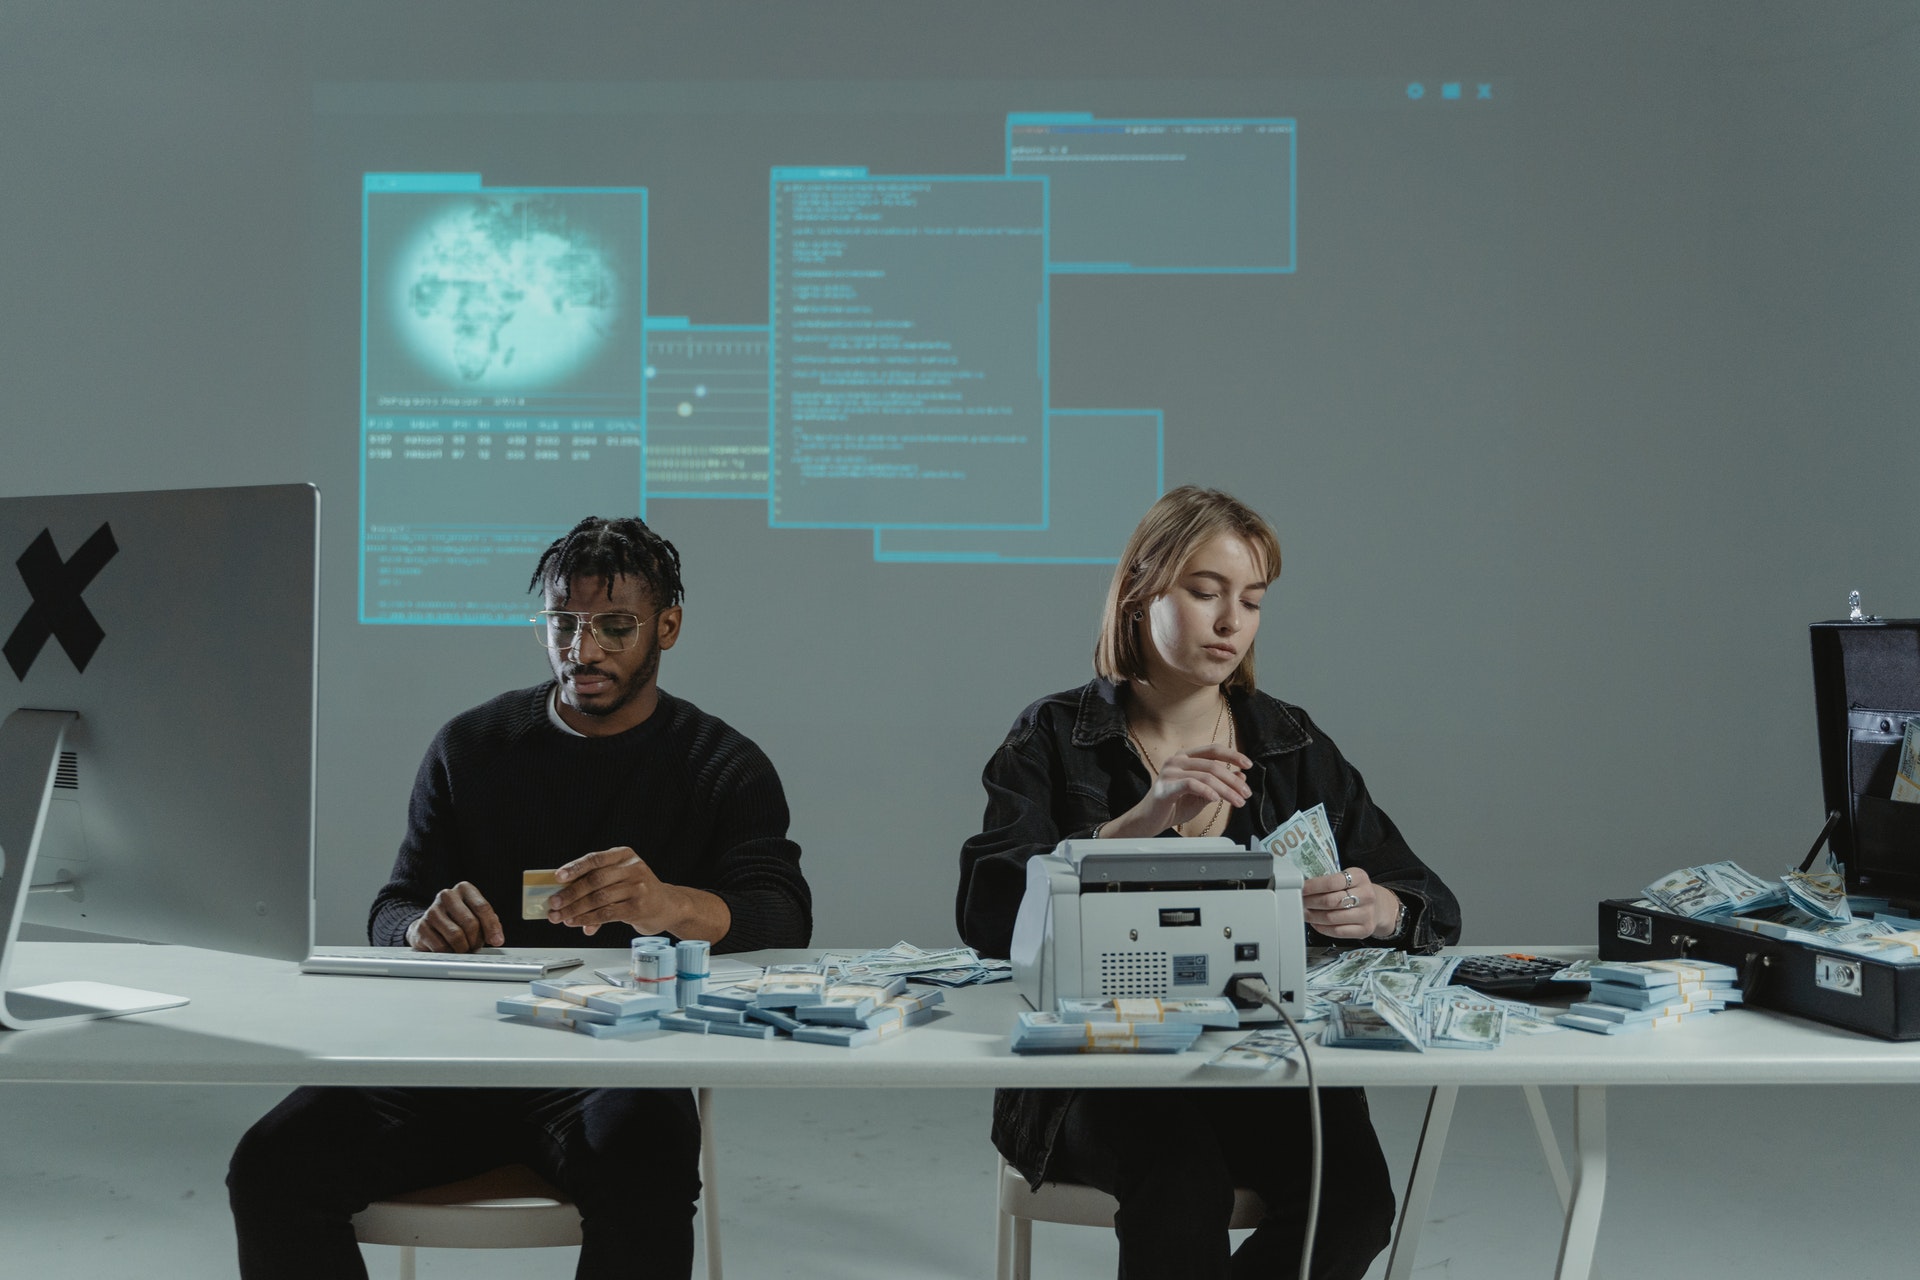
[709, 1182]
[1426, 1171]
[1590, 1183]
[1549, 1145]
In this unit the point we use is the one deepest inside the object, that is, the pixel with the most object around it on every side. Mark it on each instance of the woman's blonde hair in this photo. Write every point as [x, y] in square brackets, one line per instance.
[1180, 523]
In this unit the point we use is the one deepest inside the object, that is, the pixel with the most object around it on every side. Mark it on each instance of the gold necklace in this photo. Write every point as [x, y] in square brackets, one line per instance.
[1213, 811]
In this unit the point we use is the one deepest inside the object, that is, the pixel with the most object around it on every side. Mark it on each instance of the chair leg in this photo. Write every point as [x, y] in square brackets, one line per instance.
[709, 1183]
[406, 1262]
[1023, 1249]
[1002, 1230]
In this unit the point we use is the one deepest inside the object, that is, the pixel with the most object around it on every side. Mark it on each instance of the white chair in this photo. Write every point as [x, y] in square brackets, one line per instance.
[1021, 1206]
[512, 1208]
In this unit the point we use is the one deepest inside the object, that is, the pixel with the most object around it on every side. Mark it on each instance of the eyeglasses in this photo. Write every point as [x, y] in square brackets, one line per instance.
[613, 632]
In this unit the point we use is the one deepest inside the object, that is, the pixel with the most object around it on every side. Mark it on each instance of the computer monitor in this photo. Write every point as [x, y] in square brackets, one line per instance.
[157, 700]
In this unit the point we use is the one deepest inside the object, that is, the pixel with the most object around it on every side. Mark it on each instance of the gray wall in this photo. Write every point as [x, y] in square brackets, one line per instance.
[1569, 423]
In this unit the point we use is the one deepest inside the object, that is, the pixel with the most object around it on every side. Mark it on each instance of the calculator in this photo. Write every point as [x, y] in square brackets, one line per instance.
[1514, 975]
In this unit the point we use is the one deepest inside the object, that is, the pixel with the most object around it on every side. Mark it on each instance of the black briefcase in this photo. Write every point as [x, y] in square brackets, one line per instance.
[1866, 687]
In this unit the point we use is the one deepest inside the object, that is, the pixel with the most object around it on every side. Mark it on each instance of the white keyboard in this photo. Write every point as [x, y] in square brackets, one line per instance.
[403, 962]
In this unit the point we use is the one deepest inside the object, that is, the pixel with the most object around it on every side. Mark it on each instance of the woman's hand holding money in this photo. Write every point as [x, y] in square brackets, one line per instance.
[617, 886]
[458, 919]
[1348, 904]
[1184, 785]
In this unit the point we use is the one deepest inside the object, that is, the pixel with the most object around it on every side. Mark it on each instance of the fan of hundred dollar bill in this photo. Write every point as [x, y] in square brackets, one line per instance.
[1306, 840]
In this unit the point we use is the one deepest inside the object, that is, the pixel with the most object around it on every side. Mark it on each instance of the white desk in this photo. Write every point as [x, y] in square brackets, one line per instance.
[255, 1021]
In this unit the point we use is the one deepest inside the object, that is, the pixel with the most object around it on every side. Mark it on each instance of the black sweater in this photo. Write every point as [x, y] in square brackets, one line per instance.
[503, 791]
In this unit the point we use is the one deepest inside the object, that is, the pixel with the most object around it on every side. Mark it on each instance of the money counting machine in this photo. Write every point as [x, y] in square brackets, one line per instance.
[1165, 917]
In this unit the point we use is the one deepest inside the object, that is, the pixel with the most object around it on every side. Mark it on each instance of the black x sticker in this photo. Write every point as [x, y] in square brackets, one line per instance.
[57, 610]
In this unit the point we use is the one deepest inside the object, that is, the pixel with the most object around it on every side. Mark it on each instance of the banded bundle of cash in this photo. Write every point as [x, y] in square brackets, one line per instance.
[1891, 939]
[888, 1018]
[1713, 889]
[1046, 1031]
[1306, 840]
[590, 1008]
[1821, 894]
[1201, 1011]
[785, 986]
[691, 1019]
[1639, 995]
[948, 967]
[850, 1003]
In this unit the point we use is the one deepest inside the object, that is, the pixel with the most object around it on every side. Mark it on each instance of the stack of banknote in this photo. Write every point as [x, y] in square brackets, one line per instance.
[1640, 995]
[888, 1018]
[590, 1008]
[1821, 894]
[1306, 840]
[1712, 890]
[1201, 1011]
[1891, 938]
[1047, 1031]
[848, 1003]
[946, 967]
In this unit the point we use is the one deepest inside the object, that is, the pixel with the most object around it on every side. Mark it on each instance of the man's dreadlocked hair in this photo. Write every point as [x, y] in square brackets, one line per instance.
[608, 549]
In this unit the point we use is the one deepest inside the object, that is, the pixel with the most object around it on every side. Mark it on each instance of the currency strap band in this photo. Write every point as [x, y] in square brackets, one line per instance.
[1139, 1009]
[1109, 1037]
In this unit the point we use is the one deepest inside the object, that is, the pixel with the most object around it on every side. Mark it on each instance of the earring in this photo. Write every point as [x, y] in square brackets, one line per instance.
[1139, 614]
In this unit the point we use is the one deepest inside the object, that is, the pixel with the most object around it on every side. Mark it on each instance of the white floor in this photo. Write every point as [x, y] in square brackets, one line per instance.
[118, 1182]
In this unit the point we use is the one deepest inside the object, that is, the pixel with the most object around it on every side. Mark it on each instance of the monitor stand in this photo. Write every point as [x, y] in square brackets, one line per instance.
[30, 742]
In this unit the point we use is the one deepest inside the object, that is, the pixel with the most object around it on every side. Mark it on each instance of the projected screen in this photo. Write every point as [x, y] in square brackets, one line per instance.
[896, 380]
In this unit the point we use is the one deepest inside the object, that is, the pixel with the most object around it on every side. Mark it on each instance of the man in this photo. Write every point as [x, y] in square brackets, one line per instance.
[660, 819]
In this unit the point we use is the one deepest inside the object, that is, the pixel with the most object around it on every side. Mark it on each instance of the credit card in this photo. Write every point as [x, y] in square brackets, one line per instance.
[535, 888]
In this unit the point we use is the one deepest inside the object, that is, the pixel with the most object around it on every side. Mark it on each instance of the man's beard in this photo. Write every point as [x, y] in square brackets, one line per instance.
[633, 687]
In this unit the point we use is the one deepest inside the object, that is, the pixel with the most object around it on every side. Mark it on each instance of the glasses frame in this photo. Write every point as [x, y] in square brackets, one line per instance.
[589, 624]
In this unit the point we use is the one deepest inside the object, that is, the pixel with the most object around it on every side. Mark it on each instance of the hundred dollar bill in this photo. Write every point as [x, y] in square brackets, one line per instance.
[1822, 894]
[1456, 1022]
[1689, 892]
[1374, 1025]
[1296, 841]
[1322, 830]
[1906, 779]
[1404, 985]
[1259, 1051]
[1348, 967]
[1713, 889]
[1525, 1019]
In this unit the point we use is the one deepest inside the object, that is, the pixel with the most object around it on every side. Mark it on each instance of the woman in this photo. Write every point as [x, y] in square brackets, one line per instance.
[1172, 738]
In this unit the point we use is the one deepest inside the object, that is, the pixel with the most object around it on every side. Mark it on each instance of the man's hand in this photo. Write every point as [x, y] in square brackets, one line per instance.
[458, 920]
[616, 885]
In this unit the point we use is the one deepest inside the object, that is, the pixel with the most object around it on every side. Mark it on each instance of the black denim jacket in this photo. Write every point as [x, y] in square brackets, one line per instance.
[1067, 766]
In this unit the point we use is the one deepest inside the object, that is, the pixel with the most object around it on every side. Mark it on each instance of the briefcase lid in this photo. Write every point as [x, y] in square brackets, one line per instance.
[1866, 687]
